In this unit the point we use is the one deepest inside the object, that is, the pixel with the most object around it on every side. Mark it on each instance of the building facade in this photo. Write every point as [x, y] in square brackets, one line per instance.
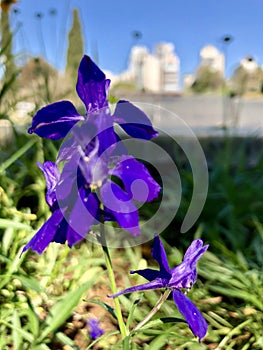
[158, 71]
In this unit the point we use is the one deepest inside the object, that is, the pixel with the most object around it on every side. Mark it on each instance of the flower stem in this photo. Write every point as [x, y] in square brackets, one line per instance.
[108, 261]
[154, 310]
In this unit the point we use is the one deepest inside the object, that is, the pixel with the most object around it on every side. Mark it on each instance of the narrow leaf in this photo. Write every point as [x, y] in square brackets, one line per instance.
[105, 306]
[61, 311]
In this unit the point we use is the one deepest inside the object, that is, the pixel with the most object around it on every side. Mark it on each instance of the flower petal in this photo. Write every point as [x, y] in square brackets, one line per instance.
[118, 204]
[184, 275]
[192, 315]
[52, 175]
[72, 236]
[149, 274]
[137, 180]
[105, 131]
[155, 284]
[160, 256]
[82, 213]
[45, 234]
[92, 85]
[195, 251]
[181, 275]
[134, 121]
[55, 120]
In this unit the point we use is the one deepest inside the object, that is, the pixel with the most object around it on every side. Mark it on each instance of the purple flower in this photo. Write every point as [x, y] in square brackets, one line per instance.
[55, 120]
[99, 180]
[182, 276]
[95, 330]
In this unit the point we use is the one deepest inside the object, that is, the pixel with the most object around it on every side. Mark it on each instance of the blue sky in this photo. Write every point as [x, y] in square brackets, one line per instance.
[108, 28]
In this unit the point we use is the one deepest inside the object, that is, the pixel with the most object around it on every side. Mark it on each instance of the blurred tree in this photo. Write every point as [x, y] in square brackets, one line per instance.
[244, 80]
[75, 46]
[38, 78]
[7, 60]
[207, 79]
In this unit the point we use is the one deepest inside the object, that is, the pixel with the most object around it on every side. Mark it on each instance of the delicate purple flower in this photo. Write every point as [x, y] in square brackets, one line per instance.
[98, 180]
[55, 120]
[182, 276]
[95, 330]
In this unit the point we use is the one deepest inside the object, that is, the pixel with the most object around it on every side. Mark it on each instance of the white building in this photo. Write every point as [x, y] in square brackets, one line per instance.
[249, 64]
[157, 71]
[212, 58]
[170, 67]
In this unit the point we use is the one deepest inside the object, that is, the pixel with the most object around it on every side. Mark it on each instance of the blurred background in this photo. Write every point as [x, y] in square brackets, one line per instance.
[183, 56]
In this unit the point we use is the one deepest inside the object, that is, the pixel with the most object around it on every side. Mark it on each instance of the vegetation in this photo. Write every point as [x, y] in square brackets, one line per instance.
[75, 46]
[207, 79]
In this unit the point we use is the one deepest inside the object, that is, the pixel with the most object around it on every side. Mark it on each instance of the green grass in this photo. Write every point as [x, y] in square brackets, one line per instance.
[41, 295]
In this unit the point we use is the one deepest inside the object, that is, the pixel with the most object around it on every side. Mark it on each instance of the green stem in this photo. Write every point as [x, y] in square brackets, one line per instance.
[118, 312]
[154, 310]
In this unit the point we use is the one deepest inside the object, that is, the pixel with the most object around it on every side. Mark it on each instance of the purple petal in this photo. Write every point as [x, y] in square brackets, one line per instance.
[137, 180]
[134, 121]
[149, 274]
[118, 203]
[194, 246]
[105, 131]
[56, 229]
[45, 234]
[94, 169]
[195, 251]
[192, 315]
[55, 120]
[160, 256]
[67, 149]
[82, 213]
[182, 274]
[155, 284]
[92, 85]
[52, 175]
[72, 236]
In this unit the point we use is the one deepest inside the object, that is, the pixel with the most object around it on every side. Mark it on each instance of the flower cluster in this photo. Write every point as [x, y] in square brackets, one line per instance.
[97, 180]
[181, 277]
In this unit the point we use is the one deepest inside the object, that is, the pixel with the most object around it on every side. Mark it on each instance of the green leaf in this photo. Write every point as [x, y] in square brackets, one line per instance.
[8, 239]
[29, 283]
[104, 305]
[61, 311]
[19, 153]
[24, 334]
[33, 319]
[17, 338]
[66, 340]
[131, 312]
[6, 223]
[239, 294]
[158, 342]
[104, 336]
